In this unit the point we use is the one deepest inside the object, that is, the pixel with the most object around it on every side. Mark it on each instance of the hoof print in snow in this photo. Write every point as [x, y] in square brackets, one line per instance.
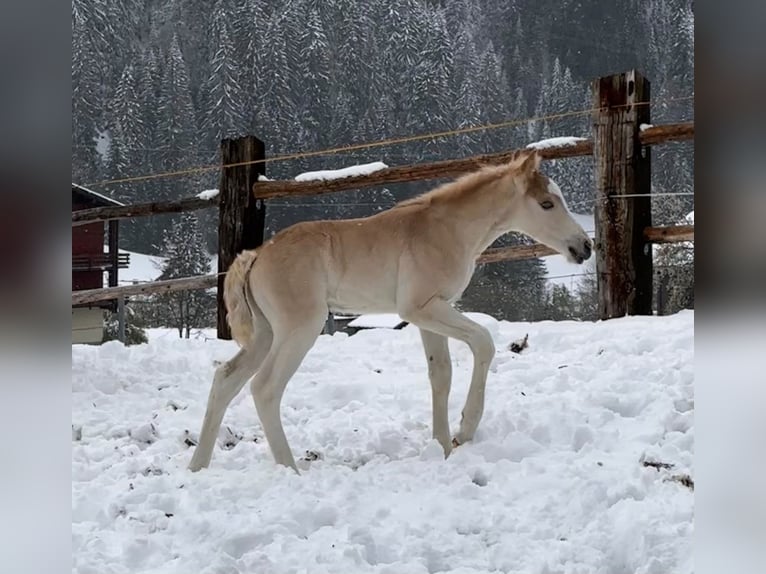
[172, 405]
[76, 433]
[656, 464]
[230, 439]
[519, 345]
[379, 371]
[152, 471]
[479, 478]
[311, 455]
[144, 435]
[682, 479]
[189, 440]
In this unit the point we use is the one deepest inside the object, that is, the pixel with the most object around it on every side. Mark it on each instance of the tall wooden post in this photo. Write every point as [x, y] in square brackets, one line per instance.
[242, 217]
[623, 205]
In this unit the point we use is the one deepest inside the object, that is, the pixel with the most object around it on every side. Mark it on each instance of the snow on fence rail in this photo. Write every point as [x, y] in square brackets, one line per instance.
[399, 174]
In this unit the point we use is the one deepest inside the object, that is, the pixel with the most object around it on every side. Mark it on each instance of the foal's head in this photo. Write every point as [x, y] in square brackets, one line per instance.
[542, 212]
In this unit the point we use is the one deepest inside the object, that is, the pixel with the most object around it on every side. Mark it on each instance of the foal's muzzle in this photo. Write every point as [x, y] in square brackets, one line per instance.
[582, 251]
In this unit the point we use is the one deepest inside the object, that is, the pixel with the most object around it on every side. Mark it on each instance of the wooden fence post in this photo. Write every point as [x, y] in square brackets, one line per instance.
[623, 168]
[241, 217]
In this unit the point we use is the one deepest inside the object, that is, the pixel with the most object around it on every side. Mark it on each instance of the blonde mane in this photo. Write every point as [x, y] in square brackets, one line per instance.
[467, 184]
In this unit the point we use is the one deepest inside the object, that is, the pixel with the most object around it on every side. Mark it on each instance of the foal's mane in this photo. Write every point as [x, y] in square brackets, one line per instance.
[468, 183]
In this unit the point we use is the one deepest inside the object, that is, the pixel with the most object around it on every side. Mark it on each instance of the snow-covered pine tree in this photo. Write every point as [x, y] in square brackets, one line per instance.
[494, 98]
[185, 256]
[222, 94]
[176, 115]
[431, 97]
[560, 304]
[86, 96]
[466, 107]
[127, 129]
[277, 116]
[249, 25]
[177, 139]
[314, 99]
[587, 292]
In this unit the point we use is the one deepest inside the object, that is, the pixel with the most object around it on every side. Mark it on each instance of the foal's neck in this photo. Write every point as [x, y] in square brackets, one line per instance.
[484, 214]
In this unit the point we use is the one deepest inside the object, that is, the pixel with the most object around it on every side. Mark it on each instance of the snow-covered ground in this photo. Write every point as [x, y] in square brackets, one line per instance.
[554, 482]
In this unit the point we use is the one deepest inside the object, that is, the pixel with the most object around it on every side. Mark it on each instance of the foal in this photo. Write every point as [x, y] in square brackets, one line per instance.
[414, 259]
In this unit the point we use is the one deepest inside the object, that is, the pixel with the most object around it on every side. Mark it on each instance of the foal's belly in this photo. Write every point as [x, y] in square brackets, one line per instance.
[363, 290]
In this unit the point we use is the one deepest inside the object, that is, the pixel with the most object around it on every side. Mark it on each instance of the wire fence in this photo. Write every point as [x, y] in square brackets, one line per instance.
[377, 144]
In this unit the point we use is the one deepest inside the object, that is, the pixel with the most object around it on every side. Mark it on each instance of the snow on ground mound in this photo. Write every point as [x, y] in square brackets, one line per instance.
[354, 170]
[562, 475]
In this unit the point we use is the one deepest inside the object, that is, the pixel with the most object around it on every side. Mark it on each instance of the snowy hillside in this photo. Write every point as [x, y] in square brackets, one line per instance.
[555, 481]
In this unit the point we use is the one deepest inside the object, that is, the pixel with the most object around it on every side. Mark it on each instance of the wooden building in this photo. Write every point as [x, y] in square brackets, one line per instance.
[94, 254]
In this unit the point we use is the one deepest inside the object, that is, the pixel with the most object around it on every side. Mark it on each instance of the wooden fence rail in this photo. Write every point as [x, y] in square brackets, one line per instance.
[407, 173]
[152, 288]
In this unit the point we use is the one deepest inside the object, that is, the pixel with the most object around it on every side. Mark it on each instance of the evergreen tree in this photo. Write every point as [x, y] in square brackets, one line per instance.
[314, 98]
[86, 98]
[185, 256]
[587, 292]
[560, 304]
[223, 95]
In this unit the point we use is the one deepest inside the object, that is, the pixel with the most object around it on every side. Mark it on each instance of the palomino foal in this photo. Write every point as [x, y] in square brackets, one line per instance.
[414, 259]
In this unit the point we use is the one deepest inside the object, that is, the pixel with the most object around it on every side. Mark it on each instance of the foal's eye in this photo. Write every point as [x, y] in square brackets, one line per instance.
[547, 205]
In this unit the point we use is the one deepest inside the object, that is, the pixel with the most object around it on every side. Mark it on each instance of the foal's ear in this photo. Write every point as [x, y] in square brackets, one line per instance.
[531, 163]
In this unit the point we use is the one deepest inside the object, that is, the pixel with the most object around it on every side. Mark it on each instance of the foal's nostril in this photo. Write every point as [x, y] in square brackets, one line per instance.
[587, 247]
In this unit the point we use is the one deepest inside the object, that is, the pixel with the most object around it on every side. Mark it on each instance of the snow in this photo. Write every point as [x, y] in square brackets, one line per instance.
[554, 481]
[141, 268]
[562, 141]
[354, 170]
[643, 127]
[208, 194]
[103, 141]
[262, 177]
[690, 218]
[559, 270]
[377, 321]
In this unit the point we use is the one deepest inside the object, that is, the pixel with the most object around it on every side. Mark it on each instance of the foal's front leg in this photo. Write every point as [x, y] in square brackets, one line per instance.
[440, 317]
[440, 374]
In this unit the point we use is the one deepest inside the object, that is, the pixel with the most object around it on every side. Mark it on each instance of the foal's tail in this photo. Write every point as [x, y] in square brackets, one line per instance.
[239, 299]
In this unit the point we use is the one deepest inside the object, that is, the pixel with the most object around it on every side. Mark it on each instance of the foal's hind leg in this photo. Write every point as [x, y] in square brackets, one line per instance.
[229, 380]
[440, 375]
[287, 352]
